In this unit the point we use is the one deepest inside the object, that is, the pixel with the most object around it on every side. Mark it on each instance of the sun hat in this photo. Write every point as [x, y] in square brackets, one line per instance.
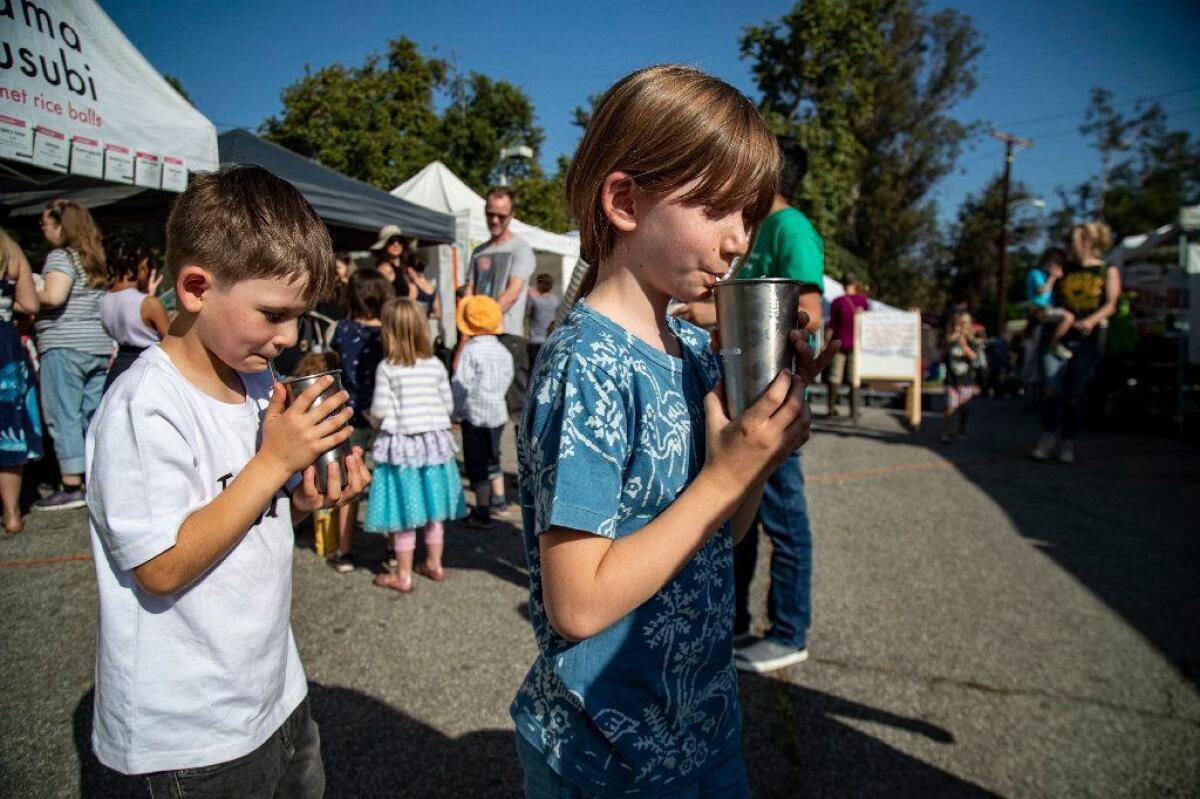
[479, 315]
[386, 232]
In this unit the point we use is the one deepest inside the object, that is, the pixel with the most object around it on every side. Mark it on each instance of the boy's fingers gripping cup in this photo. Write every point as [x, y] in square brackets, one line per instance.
[295, 386]
[754, 321]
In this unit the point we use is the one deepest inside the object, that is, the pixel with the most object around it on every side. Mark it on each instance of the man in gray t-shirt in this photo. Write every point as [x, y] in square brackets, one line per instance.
[501, 268]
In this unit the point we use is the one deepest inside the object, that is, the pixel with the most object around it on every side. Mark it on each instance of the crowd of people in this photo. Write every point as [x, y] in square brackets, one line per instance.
[640, 499]
[1070, 295]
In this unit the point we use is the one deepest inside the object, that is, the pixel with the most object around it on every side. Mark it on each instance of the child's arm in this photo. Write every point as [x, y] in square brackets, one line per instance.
[154, 315]
[590, 581]
[291, 440]
[460, 385]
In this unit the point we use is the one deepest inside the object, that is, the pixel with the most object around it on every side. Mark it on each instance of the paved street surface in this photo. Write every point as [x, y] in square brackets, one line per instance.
[983, 625]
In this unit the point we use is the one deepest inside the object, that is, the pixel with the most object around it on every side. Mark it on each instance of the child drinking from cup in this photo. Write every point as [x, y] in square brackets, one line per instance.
[194, 482]
[416, 482]
[630, 469]
[960, 352]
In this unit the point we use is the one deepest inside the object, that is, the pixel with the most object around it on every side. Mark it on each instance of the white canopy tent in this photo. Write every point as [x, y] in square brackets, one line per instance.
[94, 107]
[438, 188]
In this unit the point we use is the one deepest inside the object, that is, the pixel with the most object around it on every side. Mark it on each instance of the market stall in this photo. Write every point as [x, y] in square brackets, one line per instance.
[80, 108]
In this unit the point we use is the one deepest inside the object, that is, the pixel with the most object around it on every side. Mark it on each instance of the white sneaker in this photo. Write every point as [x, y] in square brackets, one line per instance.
[1066, 453]
[767, 655]
[1045, 446]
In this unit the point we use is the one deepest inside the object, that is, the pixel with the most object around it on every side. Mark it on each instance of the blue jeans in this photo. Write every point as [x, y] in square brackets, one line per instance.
[72, 383]
[784, 517]
[1065, 383]
[288, 764]
[725, 780]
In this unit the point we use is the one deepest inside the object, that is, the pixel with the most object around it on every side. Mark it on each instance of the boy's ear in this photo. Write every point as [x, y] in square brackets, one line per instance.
[617, 198]
[192, 287]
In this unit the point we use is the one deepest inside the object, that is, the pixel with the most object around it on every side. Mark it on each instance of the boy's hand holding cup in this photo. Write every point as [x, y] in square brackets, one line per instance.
[296, 434]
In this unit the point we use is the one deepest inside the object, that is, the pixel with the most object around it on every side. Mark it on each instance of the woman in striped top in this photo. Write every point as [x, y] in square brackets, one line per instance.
[74, 347]
[416, 482]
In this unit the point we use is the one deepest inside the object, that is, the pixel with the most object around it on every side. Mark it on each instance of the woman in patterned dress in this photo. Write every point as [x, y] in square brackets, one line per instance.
[20, 423]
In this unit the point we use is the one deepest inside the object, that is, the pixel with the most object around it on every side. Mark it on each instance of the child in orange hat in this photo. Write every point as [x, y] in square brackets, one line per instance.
[481, 378]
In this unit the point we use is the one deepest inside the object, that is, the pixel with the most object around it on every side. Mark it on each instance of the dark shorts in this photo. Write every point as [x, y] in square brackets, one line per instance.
[287, 764]
[481, 452]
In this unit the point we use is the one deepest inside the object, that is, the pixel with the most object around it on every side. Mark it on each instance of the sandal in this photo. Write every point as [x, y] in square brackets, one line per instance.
[437, 575]
[394, 582]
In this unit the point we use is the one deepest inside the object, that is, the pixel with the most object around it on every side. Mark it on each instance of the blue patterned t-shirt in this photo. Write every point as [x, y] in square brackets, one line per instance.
[612, 433]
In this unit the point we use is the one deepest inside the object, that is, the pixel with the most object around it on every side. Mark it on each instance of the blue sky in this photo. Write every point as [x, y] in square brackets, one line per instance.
[1039, 63]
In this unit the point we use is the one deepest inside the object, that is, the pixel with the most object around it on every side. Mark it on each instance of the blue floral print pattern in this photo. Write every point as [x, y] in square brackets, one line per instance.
[612, 433]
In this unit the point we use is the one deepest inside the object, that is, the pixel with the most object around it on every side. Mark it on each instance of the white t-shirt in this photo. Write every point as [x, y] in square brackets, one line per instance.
[209, 674]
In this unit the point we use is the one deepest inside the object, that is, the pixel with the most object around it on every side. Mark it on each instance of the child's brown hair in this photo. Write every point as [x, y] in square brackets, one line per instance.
[367, 293]
[242, 223]
[667, 126]
[405, 332]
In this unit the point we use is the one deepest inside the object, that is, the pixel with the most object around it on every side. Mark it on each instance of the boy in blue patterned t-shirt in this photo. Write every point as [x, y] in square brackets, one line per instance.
[629, 467]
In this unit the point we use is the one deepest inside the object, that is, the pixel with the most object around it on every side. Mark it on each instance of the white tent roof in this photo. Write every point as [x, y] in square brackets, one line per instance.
[109, 100]
[436, 187]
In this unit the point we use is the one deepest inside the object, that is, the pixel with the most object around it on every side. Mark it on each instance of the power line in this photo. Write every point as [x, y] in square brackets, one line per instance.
[1132, 101]
[1069, 132]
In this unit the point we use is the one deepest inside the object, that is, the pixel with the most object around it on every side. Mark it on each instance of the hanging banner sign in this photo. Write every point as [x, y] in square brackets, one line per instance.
[66, 68]
[118, 164]
[50, 149]
[174, 176]
[16, 139]
[86, 157]
[147, 171]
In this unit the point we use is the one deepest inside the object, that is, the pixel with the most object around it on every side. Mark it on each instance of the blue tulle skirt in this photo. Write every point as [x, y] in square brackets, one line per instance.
[405, 498]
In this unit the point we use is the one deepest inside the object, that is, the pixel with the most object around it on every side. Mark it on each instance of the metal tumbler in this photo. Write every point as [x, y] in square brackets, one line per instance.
[754, 320]
[298, 385]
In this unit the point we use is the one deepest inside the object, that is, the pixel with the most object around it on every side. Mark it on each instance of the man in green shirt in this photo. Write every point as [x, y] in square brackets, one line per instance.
[786, 245]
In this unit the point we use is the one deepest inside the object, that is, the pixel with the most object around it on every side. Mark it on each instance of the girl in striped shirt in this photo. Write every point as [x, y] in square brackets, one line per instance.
[416, 484]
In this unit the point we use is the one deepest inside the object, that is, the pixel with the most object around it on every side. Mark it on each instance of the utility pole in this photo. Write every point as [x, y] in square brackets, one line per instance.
[1010, 141]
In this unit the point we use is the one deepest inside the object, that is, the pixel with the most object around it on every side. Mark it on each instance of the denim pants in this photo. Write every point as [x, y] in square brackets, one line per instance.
[784, 518]
[1065, 383]
[725, 780]
[72, 383]
[288, 764]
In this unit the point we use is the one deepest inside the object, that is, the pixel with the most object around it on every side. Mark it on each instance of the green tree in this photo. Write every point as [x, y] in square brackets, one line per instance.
[866, 86]
[377, 122]
[1147, 170]
[374, 122]
[972, 259]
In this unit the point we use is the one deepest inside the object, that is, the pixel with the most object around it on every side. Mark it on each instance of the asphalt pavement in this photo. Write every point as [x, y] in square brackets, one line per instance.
[983, 625]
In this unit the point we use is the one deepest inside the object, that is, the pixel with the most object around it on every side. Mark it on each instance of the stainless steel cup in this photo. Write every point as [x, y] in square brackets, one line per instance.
[298, 385]
[754, 320]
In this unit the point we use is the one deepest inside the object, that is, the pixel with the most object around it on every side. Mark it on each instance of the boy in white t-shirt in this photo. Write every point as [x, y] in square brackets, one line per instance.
[193, 487]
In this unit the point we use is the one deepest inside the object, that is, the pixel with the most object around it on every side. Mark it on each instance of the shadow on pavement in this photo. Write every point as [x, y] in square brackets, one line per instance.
[369, 748]
[796, 744]
[1121, 520]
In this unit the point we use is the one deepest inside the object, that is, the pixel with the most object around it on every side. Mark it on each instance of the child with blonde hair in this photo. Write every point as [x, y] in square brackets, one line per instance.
[634, 482]
[416, 481]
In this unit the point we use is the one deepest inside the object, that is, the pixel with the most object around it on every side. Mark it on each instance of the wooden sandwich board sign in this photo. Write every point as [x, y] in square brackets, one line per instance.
[887, 348]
